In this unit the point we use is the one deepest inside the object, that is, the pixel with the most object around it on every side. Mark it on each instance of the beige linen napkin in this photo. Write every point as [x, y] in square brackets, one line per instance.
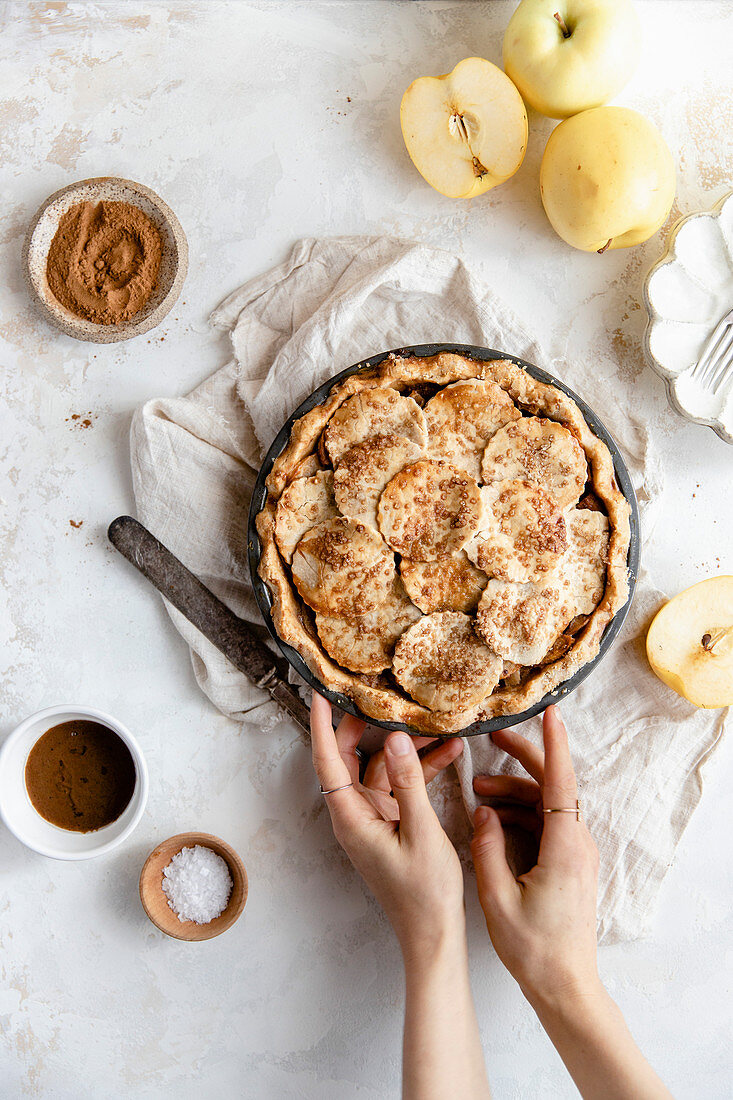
[637, 747]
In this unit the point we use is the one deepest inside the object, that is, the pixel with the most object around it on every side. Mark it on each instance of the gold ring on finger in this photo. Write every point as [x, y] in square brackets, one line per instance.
[566, 810]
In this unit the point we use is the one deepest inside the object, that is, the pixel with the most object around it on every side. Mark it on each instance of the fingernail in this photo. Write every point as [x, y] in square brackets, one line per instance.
[481, 815]
[399, 744]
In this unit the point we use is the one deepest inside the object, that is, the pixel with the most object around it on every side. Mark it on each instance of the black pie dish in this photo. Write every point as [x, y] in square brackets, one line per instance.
[470, 351]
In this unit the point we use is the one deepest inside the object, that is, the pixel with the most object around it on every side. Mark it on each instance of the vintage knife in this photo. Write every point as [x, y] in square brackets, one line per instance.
[233, 636]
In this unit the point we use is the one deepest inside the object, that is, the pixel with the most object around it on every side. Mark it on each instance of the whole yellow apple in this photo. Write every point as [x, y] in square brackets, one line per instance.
[690, 643]
[567, 56]
[607, 179]
[465, 131]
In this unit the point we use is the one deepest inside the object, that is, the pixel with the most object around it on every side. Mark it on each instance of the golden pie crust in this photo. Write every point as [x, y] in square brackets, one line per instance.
[343, 599]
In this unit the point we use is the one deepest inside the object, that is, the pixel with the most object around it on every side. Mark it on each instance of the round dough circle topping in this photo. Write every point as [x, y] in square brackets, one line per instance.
[583, 569]
[304, 503]
[381, 411]
[365, 643]
[365, 469]
[451, 584]
[522, 533]
[462, 417]
[521, 621]
[341, 567]
[429, 510]
[540, 451]
[443, 664]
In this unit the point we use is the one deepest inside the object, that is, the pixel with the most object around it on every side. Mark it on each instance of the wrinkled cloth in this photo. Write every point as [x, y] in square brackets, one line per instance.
[194, 460]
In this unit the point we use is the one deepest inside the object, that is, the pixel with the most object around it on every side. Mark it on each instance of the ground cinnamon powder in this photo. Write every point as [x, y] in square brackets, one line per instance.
[104, 260]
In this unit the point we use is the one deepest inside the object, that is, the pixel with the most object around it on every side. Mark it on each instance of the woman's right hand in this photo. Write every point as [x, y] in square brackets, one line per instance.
[543, 924]
[397, 844]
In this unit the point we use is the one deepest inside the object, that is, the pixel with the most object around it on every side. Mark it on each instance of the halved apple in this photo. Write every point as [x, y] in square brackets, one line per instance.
[465, 131]
[690, 643]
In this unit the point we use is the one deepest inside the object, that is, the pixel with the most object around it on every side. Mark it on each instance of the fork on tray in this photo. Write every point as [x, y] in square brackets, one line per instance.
[713, 369]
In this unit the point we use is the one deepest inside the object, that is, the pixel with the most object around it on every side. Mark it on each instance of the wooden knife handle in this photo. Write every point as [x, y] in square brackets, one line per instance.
[235, 638]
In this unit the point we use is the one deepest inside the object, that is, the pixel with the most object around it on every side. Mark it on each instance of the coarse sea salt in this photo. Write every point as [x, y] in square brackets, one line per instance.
[197, 884]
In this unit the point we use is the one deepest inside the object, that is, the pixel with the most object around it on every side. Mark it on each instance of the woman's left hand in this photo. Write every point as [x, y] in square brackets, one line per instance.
[396, 844]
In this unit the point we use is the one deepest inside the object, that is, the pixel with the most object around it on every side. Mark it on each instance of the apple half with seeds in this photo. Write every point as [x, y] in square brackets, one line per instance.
[465, 131]
[690, 643]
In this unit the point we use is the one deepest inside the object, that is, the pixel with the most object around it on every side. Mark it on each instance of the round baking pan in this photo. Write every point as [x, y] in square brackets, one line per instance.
[259, 496]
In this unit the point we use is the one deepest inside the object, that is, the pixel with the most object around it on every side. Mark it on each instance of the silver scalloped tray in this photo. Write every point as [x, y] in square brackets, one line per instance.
[686, 293]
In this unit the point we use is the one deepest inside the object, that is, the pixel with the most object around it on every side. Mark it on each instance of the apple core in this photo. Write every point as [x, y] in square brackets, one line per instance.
[458, 125]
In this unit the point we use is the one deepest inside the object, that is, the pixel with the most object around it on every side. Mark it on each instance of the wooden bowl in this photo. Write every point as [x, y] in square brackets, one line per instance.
[155, 902]
[173, 264]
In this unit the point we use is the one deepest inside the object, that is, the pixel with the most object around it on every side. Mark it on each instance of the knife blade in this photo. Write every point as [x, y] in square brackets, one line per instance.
[233, 636]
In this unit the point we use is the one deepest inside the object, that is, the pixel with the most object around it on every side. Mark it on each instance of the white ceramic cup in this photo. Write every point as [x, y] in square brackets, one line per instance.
[18, 813]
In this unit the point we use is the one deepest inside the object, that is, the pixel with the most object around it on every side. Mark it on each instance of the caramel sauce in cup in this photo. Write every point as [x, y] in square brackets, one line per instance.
[80, 776]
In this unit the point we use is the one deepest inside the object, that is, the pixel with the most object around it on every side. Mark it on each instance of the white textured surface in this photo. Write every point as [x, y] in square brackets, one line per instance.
[238, 114]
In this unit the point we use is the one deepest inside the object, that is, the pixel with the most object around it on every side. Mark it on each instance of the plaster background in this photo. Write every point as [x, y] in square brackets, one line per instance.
[260, 122]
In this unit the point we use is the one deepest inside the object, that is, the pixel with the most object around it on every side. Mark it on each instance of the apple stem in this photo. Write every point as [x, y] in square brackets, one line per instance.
[563, 25]
[709, 641]
[602, 250]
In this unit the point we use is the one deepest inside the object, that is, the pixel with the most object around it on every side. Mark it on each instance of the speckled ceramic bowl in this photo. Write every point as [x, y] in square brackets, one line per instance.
[173, 264]
[686, 293]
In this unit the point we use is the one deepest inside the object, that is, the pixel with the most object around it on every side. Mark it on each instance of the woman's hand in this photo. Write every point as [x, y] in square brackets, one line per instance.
[543, 924]
[396, 844]
[399, 848]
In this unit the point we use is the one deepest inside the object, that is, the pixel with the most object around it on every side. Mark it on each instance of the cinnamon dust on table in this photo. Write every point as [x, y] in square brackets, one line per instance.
[104, 260]
[78, 420]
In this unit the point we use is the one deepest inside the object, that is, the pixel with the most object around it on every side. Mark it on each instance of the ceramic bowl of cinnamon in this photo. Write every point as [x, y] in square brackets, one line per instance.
[73, 782]
[105, 259]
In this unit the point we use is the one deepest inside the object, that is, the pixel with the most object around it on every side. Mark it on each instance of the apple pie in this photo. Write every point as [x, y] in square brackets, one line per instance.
[444, 540]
